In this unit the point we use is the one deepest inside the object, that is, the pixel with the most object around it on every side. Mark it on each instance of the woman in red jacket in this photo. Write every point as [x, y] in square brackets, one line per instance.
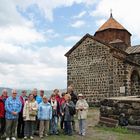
[3, 98]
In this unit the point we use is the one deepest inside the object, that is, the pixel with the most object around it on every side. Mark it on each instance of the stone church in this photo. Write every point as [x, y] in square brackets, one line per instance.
[105, 64]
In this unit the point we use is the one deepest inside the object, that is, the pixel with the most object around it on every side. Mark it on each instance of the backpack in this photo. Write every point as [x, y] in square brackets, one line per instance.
[72, 111]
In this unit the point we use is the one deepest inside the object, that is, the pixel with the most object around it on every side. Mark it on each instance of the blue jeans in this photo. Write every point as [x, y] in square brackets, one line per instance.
[82, 125]
[67, 127]
[53, 125]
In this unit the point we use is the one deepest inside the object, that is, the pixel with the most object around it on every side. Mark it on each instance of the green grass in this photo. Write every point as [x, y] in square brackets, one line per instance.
[118, 133]
[121, 130]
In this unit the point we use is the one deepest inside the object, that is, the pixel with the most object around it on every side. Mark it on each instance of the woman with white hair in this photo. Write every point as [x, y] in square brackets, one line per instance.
[82, 109]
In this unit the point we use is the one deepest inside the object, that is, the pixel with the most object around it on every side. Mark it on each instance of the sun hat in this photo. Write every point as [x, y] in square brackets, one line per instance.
[80, 95]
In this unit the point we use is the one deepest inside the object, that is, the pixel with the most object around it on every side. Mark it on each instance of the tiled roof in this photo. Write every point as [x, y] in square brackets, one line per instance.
[111, 23]
[133, 49]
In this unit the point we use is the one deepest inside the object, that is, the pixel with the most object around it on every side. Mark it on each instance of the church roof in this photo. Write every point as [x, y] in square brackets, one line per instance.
[128, 51]
[133, 49]
[94, 38]
[111, 23]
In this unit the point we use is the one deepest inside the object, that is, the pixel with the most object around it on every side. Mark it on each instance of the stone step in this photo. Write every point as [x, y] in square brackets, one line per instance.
[109, 120]
[108, 124]
[133, 128]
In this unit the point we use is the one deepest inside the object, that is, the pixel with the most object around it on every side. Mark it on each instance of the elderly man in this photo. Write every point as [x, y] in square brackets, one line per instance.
[41, 93]
[20, 127]
[13, 106]
[3, 98]
[36, 97]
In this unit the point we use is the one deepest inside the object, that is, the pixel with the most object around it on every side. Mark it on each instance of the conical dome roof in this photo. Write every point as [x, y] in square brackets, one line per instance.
[112, 30]
[111, 23]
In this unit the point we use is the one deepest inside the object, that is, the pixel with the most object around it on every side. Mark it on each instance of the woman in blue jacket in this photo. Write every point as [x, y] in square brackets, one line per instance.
[44, 115]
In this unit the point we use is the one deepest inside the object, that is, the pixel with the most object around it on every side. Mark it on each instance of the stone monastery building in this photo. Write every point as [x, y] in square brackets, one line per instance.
[105, 65]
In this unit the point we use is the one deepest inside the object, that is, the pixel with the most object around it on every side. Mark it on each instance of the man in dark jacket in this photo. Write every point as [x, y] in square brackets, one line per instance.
[74, 99]
[72, 94]
[20, 127]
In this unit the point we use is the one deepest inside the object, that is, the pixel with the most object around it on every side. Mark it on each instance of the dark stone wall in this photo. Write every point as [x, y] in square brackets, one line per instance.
[128, 106]
[98, 71]
[94, 71]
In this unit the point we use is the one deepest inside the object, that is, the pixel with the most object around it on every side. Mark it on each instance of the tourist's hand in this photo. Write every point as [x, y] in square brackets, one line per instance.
[62, 114]
[14, 113]
[81, 108]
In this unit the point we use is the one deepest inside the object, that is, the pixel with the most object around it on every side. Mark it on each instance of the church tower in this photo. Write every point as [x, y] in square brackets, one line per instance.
[114, 33]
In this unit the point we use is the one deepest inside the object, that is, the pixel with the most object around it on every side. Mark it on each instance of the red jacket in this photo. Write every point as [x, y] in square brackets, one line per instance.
[62, 101]
[2, 108]
[57, 97]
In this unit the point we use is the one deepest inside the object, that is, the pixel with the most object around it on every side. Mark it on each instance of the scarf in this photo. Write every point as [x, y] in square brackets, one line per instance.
[54, 104]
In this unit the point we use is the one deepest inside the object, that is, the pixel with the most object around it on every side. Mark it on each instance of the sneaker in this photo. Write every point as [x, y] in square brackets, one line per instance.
[83, 134]
[46, 135]
[7, 138]
[80, 133]
[13, 138]
[31, 137]
[41, 136]
[25, 138]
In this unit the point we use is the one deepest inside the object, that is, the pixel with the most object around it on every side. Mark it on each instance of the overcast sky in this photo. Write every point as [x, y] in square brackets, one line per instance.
[35, 35]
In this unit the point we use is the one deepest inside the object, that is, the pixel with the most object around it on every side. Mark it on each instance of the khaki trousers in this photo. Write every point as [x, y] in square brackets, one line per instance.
[11, 126]
[43, 127]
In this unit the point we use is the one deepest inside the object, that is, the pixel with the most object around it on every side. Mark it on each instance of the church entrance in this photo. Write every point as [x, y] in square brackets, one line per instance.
[135, 83]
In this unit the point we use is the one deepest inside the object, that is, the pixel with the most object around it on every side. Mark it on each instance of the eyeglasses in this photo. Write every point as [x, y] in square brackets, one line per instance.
[14, 93]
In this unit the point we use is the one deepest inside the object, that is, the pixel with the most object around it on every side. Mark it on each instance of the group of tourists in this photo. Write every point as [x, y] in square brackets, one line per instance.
[24, 116]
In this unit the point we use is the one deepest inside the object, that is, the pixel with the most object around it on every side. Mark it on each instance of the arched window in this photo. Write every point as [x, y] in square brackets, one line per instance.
[135, 83]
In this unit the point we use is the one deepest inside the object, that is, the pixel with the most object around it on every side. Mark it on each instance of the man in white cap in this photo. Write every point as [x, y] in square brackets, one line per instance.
[82, 109]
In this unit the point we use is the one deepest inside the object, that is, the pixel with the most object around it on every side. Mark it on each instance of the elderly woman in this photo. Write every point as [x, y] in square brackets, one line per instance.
[67, 110]
[82, 109]
[44, 115]
[29, 115]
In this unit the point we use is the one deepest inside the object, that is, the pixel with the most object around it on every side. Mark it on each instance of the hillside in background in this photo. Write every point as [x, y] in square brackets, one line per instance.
[47, 92]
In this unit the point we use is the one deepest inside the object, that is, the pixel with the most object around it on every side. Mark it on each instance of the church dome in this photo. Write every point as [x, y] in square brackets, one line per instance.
[112, 30]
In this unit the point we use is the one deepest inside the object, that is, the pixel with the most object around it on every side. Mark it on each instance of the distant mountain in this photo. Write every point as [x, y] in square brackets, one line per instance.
[47, 92]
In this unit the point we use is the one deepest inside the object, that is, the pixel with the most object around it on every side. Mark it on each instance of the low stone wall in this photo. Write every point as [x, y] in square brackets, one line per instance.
[114, 107]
